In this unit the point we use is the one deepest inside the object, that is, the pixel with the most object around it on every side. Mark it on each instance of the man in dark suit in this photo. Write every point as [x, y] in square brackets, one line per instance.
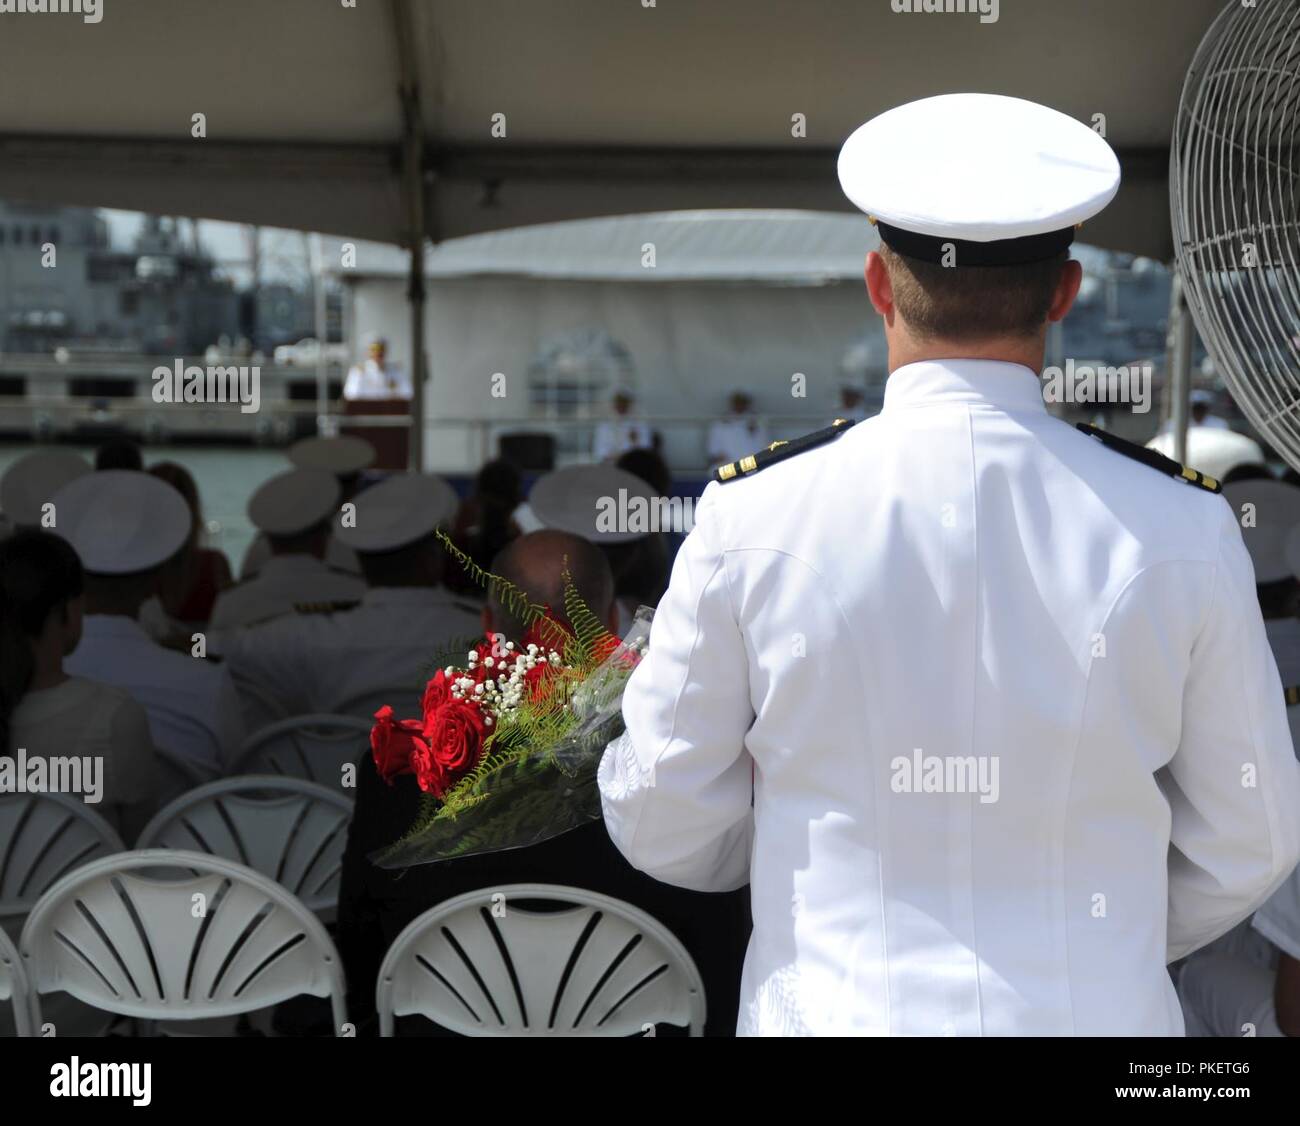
[375, 904]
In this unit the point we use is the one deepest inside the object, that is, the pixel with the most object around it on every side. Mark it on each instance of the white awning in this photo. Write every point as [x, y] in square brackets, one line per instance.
[607, 109]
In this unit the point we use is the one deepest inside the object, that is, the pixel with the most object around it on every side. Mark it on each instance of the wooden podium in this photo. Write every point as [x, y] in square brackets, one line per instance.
[392, 443]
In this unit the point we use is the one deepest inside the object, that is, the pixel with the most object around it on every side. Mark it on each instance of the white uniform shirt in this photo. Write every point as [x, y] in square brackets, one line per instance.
[370, 381]
[81, 719]
[281, 583]
[734, 438]
[942, 581]
[192, 707]
[356, 660]
[616, 436]
[338, 556]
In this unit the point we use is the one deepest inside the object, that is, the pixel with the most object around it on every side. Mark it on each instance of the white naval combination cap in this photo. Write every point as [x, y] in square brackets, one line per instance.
[1274, 516]
[586, 500]
[120, 521]
[1212, 450]
[398, 511]
[1005, 181]
[341, 456]
[294, 501]
[32, 480]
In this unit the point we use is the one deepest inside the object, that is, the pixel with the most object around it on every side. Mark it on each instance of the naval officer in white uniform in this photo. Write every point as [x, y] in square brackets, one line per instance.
[980, 706]
[296, 512]
[125, 526]
[346, 457]
[379, 652]
[31, 482]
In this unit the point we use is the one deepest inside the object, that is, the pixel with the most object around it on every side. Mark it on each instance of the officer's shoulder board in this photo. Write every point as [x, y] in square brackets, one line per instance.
[1152, 458]
[779, 451]
[327, 607]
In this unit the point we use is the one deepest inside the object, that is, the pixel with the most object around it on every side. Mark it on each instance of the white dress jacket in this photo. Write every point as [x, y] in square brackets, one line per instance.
[983, 711]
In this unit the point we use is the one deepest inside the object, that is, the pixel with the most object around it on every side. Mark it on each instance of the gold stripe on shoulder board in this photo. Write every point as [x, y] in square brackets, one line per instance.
[779, 451]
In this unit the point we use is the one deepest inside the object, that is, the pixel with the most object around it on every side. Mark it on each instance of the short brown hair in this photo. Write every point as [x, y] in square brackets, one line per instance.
[972, 302]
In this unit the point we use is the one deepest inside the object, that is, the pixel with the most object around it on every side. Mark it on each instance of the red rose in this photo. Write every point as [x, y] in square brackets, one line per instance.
[534, 679]
[393, 744]
[545, 633]
[429, 772]
[436, 693]
[455, 738]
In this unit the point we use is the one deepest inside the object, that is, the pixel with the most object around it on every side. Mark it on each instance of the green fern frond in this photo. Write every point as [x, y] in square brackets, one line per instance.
[591, 635]
[512, 598]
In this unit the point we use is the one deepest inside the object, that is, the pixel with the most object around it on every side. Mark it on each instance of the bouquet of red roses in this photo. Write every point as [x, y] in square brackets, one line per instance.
[508, 742]
[461, 707]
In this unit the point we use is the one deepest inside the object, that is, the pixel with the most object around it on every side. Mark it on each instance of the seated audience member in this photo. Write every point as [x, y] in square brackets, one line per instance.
[375, 904]
[44, 712]
[347, 458]
[118, 453]
[649, 580]
[190, 586]
[125, 527]
[325, 660]
[29, 484]
[1249, 986]
[622, 515]
[296, 512]
[484, 523]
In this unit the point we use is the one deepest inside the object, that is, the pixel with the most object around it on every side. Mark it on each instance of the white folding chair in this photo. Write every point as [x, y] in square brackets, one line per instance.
[216, 939]
[13, 986]
[42, 838]
[288, 829]
[312, 747]
[489, 963]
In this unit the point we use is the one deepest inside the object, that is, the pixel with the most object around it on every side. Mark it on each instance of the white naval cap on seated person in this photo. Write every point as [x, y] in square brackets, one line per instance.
[1212, 450]
[31, 482]
[590, 501]
[295, 501]
[343, 456]
[1268, 512]
[398, 511]
[1005, 180]
[122, 521]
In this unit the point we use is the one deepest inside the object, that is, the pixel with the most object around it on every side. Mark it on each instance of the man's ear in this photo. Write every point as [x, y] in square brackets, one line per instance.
[485, 620]
[879, 288]
[1067, 289]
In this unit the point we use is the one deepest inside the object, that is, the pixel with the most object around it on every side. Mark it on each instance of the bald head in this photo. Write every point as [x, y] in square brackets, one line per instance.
[536, 563]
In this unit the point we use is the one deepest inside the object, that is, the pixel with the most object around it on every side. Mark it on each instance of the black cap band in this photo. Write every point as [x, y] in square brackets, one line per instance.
[956, 252]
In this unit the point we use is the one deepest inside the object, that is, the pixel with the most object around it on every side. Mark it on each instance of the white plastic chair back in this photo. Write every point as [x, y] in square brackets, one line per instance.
[404, 699]
[312, 747]
[292, 831]
[484, 963]
[42, 838]
[187, 946]
[13, 986]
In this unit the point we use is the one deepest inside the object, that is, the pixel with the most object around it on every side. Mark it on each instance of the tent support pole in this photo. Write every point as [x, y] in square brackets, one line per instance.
[1180, 382]
[413, 210]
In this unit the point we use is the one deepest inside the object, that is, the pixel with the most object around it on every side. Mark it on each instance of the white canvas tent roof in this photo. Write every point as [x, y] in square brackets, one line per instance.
[609, 109]
[776, 247]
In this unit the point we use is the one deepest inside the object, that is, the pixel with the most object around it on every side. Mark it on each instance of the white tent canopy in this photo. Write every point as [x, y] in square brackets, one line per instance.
[318, 114]
[777, 247]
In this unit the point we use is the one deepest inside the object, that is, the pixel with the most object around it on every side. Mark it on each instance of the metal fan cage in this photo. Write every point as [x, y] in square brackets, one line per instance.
[1235, 205]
